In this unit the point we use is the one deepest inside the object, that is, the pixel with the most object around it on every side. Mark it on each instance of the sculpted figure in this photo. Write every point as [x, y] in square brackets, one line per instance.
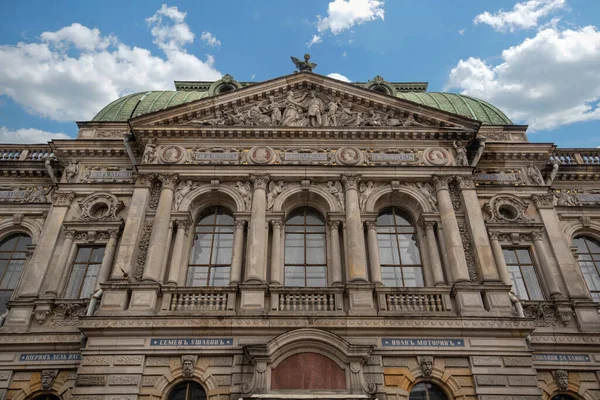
[373, 119]
[245, 192]
[315, 109]
[256, 117]
[188, 364]
[292, 115]
[480, 149]
[237, 118]
[393, 120]
[149, 156]
[37, 195]
[427, 365]
[427, 191]
[565, 199]
[182, 190]
[273, 110]
[555, 166]
[275, 189]
[534, 174]
[347, 116]
[461, 153]
[332, 110]
[304, 66]
[48, 377]
[71, 170]
[337, 191]
[365, 192]
[562, 379]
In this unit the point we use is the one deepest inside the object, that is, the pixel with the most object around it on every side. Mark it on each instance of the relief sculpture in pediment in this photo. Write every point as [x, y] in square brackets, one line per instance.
[306, 108]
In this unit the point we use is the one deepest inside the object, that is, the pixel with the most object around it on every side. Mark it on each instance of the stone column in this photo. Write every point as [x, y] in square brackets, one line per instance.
[336, 257]
[499, 257]
[134, 225]
[434, 254]
[547, 274]
[183, 226]
[374, 263]
[454, 247]
[357, 260]
[34, 274]
[54, 280]
[444, 254]
[238, 252]
[257, 270]
[160, 230]
[276, 253]
[109, 256]
[165, 261]
[482, 250]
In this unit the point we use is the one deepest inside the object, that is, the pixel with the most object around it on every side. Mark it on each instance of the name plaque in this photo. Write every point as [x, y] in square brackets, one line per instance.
[208, 156]
[379, 157]
[497, 177]
[561, 357]
[191, 342]
[31, 357]
[305, 156]
[588, 198]
[109, 175]
[407, 342]
[12, 194]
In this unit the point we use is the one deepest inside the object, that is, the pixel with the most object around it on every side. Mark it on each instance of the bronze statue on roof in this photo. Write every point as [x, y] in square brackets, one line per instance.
[304, 66]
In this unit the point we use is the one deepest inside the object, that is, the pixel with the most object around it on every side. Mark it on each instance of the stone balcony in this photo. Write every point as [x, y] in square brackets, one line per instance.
[576, 156]
[23, 152]
[409, 301]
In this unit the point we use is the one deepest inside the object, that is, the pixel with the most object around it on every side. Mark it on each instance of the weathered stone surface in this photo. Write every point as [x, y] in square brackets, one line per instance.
[220, 361]
[524, 380]
[374, 360]
[517, 361]
[374, 378]
[222, 380]
[4, 375]
[238, 379]
[129, 360]
[587, 377]
[149, 381]
[490, 380]
[157, 361]
[456, 362]
[97, 360]
[399, 362]
[464, 381]
[486, 361]
[91, 380]
[124, 380]
[22, 376]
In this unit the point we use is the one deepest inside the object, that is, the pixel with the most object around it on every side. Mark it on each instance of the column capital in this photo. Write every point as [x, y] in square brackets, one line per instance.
[428, 225]
[276, 223]
[333, 224]
[183, 223]
[440, 182]
[113, 233]
[494, 235]
[169, 181]
[70, 234]
[64, 199]
[537, 236]
[260, 181]
[371, 225]
[465, 181]
[240, 223]
[350, 181]
[544, 200]
[143, 180]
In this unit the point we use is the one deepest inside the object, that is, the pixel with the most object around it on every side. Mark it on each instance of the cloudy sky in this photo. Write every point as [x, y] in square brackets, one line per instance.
[537, 60]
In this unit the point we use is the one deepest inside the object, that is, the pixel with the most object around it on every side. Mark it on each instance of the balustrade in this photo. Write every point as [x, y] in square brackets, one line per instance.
[414, 300]
[310, 300]
[24, 152]
[577, 156]
[193, 299]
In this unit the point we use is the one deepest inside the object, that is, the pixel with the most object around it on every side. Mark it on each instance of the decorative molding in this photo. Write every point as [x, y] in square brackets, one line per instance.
[138, 270]
[99, 207]
[350, 181]
[544, 201]
[471, 265]
[507, 208]
[259, 181]
[64, 199]
[169, 181]
[143, 180]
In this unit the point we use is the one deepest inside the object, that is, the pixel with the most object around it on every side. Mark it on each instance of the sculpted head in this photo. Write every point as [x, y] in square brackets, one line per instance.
[427, 365]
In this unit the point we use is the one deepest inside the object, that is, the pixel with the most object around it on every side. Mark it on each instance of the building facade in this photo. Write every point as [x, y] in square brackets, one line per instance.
[299, 238]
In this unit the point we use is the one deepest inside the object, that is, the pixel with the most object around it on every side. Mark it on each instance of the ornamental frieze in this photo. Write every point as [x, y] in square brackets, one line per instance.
[500, 177]
[24, 194]
[266, 155]
[572, 197]
[96, 174]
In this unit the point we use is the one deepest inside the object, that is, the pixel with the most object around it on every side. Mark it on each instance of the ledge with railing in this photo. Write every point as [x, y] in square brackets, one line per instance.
[429, 301]
[199, 299]
[286, 300]
[24, 152]
[576, 156]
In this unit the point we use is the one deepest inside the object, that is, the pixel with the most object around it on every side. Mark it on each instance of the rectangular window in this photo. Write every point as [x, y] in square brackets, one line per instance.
[523, 275]
[84, 273]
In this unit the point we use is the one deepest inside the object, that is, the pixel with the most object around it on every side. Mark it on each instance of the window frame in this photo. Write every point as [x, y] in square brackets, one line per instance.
[6, 237]
[213, 210]
[187, 384]
[591, 238]
[397, 211]
[305, 211]
[73, 261]
[534, 264]
[427, 396]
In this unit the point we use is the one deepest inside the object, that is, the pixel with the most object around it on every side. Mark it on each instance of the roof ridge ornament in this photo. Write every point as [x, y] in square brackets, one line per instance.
[304, 66]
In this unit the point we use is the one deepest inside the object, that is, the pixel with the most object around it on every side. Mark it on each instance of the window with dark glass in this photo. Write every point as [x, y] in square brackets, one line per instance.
[210, 257]
[588, 258]
[13, 251]
[84, 273]
[47, 397]
[398, 251]
[522, 273]
[188, 391]
[426, 391]
[305, 248]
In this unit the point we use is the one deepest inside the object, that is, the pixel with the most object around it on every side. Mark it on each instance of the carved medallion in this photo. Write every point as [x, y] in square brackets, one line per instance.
[436, 156]
[172, 154]
[262, 155]
[349, 156]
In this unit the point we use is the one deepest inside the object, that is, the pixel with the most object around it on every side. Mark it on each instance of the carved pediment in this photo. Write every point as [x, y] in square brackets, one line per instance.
[305, 100]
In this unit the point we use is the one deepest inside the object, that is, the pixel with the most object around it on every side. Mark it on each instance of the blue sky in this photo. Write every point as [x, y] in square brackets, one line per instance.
[538, 60]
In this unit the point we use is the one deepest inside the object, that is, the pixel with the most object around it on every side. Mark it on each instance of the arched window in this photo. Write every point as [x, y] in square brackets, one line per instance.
[426, 391]
[13, 251]
[398, 252]
[588, 257]
[210, 258]
[305, 248]
[47, 397]
[562, 397]
[188, 391]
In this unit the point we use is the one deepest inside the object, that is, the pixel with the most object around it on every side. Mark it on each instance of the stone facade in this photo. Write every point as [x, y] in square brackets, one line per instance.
[138, 189]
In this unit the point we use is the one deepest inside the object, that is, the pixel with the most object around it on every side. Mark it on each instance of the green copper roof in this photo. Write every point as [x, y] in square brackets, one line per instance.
[137, 104]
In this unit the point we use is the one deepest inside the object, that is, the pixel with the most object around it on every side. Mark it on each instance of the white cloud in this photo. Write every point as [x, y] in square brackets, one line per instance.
[210, 39]
[344, 14]
[28, 135]
[72, 73]
[315, 39]
[547, 81]
[339, 77]
[344, 54]
[462, 32]
[524, 15]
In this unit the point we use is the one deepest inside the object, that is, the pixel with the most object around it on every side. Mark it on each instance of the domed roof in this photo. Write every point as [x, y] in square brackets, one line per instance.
[137, 104]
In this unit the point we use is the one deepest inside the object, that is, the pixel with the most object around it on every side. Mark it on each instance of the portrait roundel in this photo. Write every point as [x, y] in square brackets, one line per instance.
[261, 155]
[349, 156]
[436, 156]
[172, 154]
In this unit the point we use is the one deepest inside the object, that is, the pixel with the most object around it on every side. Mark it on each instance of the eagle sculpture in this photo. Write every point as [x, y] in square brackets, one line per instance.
[304, 66]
